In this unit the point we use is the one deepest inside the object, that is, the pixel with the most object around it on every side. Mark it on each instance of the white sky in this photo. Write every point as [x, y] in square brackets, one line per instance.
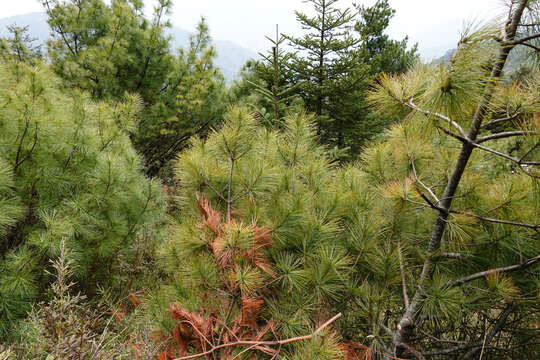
[434, 24]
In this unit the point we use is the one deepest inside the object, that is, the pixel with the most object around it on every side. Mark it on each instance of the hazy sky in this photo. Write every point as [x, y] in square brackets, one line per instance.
[434, 24]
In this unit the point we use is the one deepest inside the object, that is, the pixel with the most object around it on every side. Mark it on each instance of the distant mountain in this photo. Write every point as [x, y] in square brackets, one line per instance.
[517, 59]
[231, 57]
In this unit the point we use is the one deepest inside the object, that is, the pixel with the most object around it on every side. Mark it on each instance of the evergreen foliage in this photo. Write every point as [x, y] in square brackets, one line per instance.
[338, 57]
[261, 217]
[359, 239]
[108, 50]
[190, 102]
[453, 174]
[68, 171]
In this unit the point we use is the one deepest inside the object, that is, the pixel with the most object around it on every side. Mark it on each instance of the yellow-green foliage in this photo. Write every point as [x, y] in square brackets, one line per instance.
[344, 239]
[67, 171]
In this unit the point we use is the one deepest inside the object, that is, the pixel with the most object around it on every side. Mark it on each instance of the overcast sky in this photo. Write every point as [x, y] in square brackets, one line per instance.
[434, 24]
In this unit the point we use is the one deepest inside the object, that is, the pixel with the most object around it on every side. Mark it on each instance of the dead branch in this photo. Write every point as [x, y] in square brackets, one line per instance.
[262, 343]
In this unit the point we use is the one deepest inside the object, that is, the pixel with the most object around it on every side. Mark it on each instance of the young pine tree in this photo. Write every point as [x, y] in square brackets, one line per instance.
[68, 171]
[257, 248]
[459, 184]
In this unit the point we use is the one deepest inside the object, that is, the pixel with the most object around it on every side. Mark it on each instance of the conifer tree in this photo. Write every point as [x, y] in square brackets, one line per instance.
[19, 46]
[416, 269]
[267, 84]
[109, 50]
[324, 56]
[189, 103]
[338, 58]
[259, 230]
[477, 253]
[377, 49]
[68, 172]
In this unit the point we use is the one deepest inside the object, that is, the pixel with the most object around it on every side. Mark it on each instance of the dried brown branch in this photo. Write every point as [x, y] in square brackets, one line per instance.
[262, 343]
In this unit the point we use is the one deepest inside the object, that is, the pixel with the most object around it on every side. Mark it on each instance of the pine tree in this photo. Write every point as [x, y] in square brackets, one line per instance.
[377, 49]
[68, 171]
[19, 46]
[259, 229]
[415, 269]
[109, 50]
[189, 103]
[338, 58]
[462, 202]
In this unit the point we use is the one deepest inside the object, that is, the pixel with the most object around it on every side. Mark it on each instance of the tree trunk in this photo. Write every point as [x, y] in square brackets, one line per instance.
[408, 321]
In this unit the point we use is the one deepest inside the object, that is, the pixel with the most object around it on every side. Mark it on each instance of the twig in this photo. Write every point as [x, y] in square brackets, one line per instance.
[402, 271]
[496, 121]
[437, 201]
[531, 46]
[522, 40]
[413, 106]
[482, 274]
[504, 135]
[260, 343]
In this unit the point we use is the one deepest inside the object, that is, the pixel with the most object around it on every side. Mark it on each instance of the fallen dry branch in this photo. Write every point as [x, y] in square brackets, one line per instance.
[257, 344]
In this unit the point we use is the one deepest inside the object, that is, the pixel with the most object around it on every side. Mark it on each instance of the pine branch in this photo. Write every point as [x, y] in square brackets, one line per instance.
[482, 274]
[506, 156]
[437, 201]
[479, 217]
[413, 106]
[522, 40]
[262, 343]
[504, 135]
[536, 48]
[496, 121]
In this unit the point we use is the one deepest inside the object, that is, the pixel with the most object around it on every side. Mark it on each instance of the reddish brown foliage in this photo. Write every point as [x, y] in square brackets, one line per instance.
[212, 217]
[134, 299]
[250, 311]
[357, 351]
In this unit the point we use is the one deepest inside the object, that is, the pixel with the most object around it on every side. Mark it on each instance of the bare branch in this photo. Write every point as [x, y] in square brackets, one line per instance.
[506, 156]
[504, 135]
[482, 274]
[525, 39]
[496, 121]
[536, 48]
[413, 106]
[479, 217]
[262, 343]
[451, 255]
[496, 328]
[402, 271]
[437, 201]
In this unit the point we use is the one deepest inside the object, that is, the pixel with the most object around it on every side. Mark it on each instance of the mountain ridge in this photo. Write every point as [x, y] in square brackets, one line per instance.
[230, 59]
